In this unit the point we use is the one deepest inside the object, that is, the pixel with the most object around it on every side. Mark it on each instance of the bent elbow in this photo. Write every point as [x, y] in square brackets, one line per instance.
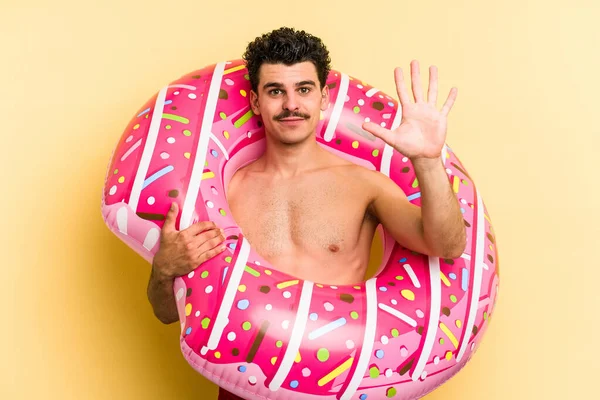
[167, 320]
[457, 249]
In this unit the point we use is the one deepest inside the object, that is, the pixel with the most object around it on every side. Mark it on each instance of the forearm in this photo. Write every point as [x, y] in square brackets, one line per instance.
[443, 225]
[161, 297]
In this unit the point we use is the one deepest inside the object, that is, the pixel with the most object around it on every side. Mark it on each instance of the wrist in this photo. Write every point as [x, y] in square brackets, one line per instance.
[425, 163]
[159, 273]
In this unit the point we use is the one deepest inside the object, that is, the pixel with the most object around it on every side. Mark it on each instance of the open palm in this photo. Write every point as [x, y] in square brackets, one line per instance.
[422, 131]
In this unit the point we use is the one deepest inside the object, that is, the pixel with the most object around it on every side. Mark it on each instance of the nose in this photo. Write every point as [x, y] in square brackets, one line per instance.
[290, 102]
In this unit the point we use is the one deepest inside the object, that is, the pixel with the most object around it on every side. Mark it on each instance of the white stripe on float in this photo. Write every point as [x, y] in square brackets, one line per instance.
[338, 107]
[189, 203]
[476, 290]
[148, 151]
[434, 316]
[122, 220]
[368, 340]
[296, 337]
[232, 286]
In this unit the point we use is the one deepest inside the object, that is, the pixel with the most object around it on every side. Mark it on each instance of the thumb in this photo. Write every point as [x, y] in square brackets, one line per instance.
[384, 134]
[171, 218]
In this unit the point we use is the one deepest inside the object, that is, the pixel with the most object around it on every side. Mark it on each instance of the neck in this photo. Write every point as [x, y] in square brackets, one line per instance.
[281, 160]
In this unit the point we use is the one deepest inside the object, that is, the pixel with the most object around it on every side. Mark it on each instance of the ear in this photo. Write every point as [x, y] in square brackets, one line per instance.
[254, 102]
[325, 98]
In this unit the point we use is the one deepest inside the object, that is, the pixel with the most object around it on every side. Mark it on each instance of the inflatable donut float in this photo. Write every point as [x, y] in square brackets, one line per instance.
[262, 334]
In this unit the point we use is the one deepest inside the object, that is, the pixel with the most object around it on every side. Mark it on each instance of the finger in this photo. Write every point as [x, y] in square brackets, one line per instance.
[384, 134]
[216, 235]
[199, 227]
[207, 255]
[171, 217]
[449, 101]
[433, 85]
[401, 86]
[415, 76]
[211, 244]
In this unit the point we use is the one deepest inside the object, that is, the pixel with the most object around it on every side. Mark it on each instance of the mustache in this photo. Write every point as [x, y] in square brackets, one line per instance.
[288, 114]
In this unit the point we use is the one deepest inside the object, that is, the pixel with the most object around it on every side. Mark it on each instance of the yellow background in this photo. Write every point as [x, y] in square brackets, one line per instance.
[525, 124]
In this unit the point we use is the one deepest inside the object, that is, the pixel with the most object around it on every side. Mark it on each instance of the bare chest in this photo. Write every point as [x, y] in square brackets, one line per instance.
[322, 216]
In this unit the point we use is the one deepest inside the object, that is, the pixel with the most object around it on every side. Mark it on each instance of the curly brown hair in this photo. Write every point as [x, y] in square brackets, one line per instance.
[286, 46]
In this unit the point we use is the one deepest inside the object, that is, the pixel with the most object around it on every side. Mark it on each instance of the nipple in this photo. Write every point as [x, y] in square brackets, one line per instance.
[334, 248]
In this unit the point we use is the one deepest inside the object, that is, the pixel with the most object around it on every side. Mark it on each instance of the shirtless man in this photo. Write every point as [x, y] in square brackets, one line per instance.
[319, 212]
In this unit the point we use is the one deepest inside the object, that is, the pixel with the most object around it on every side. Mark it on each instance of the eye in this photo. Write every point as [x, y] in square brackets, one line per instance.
[304, 90]
[274, 92]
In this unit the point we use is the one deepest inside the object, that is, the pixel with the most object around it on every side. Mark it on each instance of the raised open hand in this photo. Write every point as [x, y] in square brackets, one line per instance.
[422, 131]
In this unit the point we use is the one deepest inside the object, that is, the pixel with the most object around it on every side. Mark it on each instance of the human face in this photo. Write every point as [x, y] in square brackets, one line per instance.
[289, 100]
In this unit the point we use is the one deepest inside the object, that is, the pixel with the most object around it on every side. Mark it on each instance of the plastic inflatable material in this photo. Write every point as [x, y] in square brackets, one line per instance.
[260, 333]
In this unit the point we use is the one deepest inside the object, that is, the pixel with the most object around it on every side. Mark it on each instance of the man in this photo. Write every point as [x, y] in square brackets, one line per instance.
[319, 211]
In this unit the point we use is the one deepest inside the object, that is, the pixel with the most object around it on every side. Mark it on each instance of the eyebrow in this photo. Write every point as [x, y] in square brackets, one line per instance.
[278, 85]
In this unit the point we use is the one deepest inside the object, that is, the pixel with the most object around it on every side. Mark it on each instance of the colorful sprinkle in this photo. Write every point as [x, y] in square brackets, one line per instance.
[465, 279]
[337, 371]
[243, 304]
[286, 284]
[395, 332]
[328, 306]
[453, 298]
[354, 315]
[243, 119]
[294, 384]
[313, 316]
[176, 118]
[449, 334]
[391, 392]
[246, 326]
[407, 294]
[349, 344]
[323, 354]
[327, 328]
[379, 353]
[252, 271]
[242, 288]
[355, 144]
[242, 368]
[204, 274]
[231, 336]
[374, 372]
[205, 322]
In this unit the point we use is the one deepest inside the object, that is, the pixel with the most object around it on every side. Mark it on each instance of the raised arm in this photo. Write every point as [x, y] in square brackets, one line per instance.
[437, 228]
